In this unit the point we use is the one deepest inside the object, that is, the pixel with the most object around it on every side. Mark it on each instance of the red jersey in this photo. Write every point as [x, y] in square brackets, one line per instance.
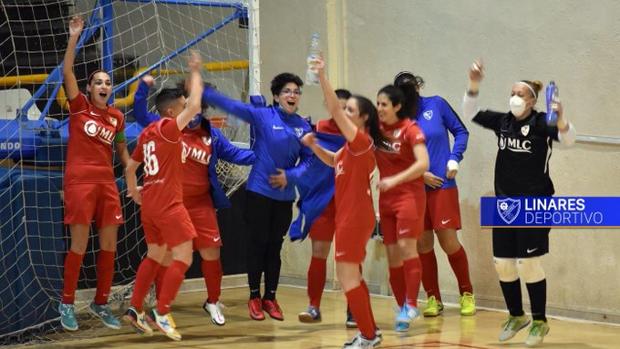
[160, 148]
[197, 153]
[355, 163]
[91, 133]
[327, 126]
[402, 137]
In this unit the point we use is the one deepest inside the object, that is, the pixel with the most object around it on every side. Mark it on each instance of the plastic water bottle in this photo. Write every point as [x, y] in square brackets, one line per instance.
[552, 95]
[312, 76]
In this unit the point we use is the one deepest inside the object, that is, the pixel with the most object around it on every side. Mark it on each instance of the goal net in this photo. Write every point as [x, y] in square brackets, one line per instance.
[126, 38]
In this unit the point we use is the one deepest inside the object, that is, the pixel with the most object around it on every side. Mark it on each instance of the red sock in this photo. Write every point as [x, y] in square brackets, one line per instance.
[172, 283]
[212, 273]
[105, 275]
[397, 281]
[73, 263]
[144, 278]
[159, 280]
[460, 266]
[413, 275]
[316, 280]
[430, 278]
[360, 308]
[367, 291]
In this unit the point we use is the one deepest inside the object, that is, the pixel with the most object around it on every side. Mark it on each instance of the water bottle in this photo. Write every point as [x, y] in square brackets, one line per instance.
[552, 96]
[312, 76]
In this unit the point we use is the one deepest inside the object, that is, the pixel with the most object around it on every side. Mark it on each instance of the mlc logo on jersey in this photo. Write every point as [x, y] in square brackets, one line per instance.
[91, 128]
[508, 209]
[514, 144]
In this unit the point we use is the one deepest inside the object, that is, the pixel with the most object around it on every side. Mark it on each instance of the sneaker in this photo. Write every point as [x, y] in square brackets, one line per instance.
[215, 310]
[405, 317]
[433, 307]
[104, 313]
[138, 321]
[273, 309]
[311, 315]
[513, 325]
[538, 331]
[163, 323]
[256, 309]
[350, 323]
[67, 317]
[359, 342]
[468, 304]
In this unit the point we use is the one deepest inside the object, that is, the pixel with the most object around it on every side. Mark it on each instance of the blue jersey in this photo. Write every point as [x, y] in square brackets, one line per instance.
[317, 189]
[220, 146]
[276, 143]
[435, 117]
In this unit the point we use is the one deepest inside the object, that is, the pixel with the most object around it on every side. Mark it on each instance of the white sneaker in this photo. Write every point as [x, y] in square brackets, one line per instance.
[138, 321]
[164, 324]
[359, 342]
[215, 311]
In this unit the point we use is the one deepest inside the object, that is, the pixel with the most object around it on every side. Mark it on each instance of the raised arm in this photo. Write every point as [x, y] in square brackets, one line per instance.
[346, 126]
[195, 91]
[323, 154]
[470, 100]
[140, 103]
[237, 108]
[75, 29]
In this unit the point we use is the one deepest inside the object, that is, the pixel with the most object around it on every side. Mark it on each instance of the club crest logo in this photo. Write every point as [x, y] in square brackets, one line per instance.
[508, 209]
[428, 114]
[299, 131]
[397, 133]
[113, 121]
[91, 128]
[206, 140]
[525, 129]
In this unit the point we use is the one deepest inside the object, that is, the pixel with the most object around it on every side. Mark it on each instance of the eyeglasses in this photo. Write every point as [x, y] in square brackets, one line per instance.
[287, 91]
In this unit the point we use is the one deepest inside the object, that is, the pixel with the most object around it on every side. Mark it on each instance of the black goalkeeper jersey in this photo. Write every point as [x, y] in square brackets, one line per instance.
[522, 163]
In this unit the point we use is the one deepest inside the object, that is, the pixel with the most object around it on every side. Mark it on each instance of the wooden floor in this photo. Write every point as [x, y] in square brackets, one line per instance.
[448, 331]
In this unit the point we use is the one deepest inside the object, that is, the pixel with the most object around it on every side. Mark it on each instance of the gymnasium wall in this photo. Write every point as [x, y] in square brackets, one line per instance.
[572, 42]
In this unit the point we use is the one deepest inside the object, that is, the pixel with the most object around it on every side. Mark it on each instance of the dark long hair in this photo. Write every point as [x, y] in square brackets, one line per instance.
[366, 107]
[409, 84]
[397, 97]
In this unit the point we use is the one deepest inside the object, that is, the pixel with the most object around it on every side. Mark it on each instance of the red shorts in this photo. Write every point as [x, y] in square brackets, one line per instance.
[324, 226]
[350, 243]
[442, 209]
[171, 228]
[87, 201]
[402, 219]
[204, 219]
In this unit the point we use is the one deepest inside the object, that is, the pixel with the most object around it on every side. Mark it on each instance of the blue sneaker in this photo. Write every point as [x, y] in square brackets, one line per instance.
[104, 313]
[67, 317]
[311, 315]
[407, 315]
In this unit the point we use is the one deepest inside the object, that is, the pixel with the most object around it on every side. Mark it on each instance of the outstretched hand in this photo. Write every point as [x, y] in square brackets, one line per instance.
[195, 60]
[476, 71]
[76, 24]
[148, 80]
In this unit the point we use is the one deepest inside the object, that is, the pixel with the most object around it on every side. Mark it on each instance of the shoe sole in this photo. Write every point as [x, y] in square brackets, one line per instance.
[137, 328]
[469, 314]
[154, 323]
[92, 312]
[433, 314]
[276, 318]
[530, 345]
[307, 318]
[70, 329]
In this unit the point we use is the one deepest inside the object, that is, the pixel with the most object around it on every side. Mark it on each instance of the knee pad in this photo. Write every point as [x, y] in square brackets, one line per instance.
[506, 269]
[530, 269]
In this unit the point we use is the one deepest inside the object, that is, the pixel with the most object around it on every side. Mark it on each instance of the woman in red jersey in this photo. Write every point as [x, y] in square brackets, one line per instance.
[402, 199]
[355, 218]
[90, 190]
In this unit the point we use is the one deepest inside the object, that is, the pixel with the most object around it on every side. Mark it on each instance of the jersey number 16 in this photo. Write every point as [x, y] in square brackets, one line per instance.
[151, 165]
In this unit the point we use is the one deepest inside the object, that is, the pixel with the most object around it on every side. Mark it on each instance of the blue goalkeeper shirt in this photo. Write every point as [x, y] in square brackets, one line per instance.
[276, 143]
[436, 117]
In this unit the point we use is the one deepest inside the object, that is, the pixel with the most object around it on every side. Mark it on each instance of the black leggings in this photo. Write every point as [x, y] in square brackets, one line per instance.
[268, 221]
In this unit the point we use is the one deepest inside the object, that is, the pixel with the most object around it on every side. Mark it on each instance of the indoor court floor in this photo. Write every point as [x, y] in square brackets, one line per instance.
[449, 331]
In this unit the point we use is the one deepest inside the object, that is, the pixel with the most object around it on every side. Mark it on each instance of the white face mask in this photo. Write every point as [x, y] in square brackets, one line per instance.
[517, 106]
